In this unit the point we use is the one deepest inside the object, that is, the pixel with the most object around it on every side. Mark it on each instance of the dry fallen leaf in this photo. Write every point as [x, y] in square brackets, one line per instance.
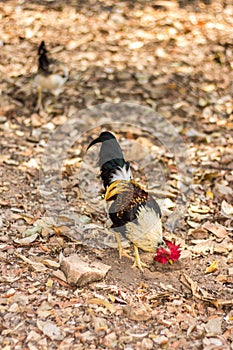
[31, 231]
[214, 326]
[202, 294]
[209, 194]
[138, 312]
[102, 302]
[201, 209]
[208, 87]
[212, 268]
[217, 229]
[36, 265]
[26, 240]
[198, 233]
[227, 209]
[202, 247]
[50, 263]
[50, 329]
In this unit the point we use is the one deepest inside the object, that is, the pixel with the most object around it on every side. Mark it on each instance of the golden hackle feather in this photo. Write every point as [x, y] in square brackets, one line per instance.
[120, 186]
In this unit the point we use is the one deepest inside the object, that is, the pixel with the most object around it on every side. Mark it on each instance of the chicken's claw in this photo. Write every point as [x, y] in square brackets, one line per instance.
[121, 250]
[137, 261]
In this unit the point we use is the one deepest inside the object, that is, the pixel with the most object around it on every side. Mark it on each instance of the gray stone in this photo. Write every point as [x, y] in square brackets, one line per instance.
[79, 272]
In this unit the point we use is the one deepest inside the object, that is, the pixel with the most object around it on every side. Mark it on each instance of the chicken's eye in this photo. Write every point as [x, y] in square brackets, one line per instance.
[161, 245]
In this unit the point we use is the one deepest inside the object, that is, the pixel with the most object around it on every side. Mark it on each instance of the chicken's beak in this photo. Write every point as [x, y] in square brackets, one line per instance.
[170, 261]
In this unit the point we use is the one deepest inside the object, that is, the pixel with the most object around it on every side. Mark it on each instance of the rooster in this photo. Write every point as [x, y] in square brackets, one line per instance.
[133, 211]
[51, 75]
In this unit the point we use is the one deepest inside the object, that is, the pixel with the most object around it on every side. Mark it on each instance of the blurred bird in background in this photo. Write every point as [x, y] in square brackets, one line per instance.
[133, 211]
[51, 75]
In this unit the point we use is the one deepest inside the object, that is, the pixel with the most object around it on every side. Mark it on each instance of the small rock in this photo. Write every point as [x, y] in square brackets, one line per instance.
[134, 45]
[14, 308]
[33, 336]
[79, 272]
[11, 162]
[50, 263]
[213, 326]
[26, 240]
[202, 102]
[147, 344]
[142, 78]
[31, 231]
[20, 298]
[212, 343]
[230, 271]
[3, 119]
[42, 344]
[100, 324]
[110, 340]
[161, 340]
[117, 18]
[195, 133]
[124, 75]
[87, 336]
[84, 219]
[4, 238]
[223, 190]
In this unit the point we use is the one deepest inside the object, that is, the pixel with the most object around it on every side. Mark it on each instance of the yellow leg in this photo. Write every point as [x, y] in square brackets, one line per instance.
[49, 107]
[55, 98]
[39, 99]
[122, 251]
[137, 261]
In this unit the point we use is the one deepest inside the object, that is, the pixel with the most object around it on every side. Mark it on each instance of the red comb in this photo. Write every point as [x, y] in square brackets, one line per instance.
[163, 256]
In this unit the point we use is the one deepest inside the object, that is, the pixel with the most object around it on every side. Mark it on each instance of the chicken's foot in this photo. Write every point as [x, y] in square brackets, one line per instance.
[137, 261]
[121, 250]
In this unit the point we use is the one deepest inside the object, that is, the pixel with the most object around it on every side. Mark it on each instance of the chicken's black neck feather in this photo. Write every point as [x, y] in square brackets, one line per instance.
[42, 48]
[43, 62]
[110, 157]
[109, 169]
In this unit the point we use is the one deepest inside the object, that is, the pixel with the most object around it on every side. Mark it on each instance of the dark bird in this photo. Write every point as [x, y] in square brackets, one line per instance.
[133, 211]
[51, 74]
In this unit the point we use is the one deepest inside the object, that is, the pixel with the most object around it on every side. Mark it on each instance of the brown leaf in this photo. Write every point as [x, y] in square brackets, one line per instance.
[227, 209]
[203, 247]
[138, 312]
[102, 302]
[50, 329]
[36, 265]
[217, 229]
[198, 233]
[202, 294]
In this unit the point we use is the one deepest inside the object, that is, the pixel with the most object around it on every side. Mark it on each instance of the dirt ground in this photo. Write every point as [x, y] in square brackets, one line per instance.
[159, 74]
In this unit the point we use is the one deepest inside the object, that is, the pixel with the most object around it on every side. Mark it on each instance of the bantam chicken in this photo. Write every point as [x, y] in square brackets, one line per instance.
[133, 211]
[51, 75]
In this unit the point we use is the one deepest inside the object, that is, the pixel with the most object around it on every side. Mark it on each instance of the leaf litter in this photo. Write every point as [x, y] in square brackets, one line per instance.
[175, 57]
